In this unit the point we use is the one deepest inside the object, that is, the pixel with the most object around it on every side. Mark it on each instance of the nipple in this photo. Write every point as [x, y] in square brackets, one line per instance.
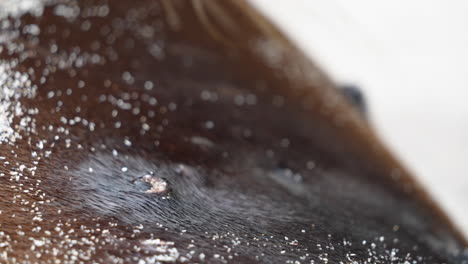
[149, 183]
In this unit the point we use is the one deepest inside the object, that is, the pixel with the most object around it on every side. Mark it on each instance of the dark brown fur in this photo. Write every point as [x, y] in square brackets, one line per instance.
[265, 160]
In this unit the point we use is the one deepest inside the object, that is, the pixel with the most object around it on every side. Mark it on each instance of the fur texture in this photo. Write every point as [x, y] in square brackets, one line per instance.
[265, 161]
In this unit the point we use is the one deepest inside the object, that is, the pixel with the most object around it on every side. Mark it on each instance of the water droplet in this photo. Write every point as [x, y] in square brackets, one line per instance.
[209, 124]
[127, 143]
[310, 165]
[202, 142]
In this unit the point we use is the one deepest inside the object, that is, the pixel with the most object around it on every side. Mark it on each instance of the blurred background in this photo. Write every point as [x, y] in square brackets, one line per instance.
[410, 58]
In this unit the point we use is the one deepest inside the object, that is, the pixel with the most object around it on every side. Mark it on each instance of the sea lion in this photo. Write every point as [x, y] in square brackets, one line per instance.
[159, 131]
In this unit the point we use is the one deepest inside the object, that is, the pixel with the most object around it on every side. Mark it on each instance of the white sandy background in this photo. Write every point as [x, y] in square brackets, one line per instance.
[411, 60]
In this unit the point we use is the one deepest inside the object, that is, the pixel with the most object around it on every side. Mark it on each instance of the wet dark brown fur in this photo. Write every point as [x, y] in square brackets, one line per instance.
[265, 161]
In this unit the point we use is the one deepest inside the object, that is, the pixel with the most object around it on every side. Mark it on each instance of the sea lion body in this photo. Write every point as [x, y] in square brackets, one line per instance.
[137, 132]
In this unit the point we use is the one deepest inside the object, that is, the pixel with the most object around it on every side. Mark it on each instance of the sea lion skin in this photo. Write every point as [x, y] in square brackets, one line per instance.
[252, 154]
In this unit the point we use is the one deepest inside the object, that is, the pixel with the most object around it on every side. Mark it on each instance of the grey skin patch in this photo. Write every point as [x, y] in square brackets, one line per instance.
[137, 189]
